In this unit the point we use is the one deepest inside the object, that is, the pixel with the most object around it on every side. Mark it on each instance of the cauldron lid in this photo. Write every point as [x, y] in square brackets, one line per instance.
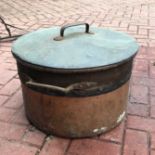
[76, 49]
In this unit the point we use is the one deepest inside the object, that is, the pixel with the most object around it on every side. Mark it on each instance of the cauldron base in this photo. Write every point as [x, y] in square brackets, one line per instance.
[70, 136]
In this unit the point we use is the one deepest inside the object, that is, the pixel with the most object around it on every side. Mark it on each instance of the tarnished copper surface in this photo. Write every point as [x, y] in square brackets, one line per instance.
[97, 106]
[75, 117]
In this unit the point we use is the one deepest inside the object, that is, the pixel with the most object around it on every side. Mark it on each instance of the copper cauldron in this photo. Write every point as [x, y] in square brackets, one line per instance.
[75, 85]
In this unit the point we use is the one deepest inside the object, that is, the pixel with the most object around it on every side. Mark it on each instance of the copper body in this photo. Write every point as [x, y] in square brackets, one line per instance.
[75, 103]
[75, 116]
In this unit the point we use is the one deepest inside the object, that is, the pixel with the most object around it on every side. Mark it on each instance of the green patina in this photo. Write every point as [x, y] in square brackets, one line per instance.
[77, 49]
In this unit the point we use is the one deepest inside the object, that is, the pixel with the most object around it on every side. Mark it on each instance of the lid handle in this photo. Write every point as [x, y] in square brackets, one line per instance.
[62, 30]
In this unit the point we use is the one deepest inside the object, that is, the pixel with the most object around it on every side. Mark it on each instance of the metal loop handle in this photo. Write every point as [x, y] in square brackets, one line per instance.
[76, 88]
[85, 88]
[62, 30]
